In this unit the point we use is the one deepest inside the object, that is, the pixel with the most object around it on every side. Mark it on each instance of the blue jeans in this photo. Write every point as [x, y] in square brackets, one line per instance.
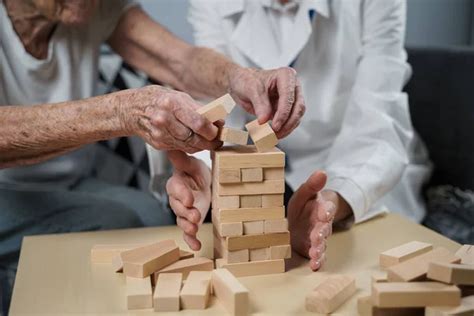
[87, 206]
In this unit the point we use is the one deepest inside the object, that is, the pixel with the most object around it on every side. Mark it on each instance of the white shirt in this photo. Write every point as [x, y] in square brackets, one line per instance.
[352, 66]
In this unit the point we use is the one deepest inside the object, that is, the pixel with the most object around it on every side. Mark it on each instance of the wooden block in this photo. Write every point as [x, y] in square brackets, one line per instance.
[403, 253]
[379, 276]
[451, 273]
[269, 200]
[466, 253]
[253, 201]
[196, 290]
[217, 109]
[166, 295]
[416, 268]
[236, 256]
[259, 254]
[262, 135]
[183, 254]
[252, 268]
[330, 294]
[280, 252]
[251, 174]
[465, 309]
[249, 214]
[257, 241]
[230, 292]
[252, 188]
[227, 229]
[273, 173]
[275, 225]
[139, 293]
[366, 308]
[415, 294]
[187, 265]
[234, 136]
[253, 228]
[248, 157]
[143, 261]
[229, 175]
[230, 201]
[105, 253]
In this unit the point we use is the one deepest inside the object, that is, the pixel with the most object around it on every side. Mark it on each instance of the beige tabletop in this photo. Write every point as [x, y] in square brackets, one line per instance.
[55, 276]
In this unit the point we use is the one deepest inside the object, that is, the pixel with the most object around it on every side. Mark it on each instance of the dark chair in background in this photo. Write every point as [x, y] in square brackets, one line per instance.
[441, 93]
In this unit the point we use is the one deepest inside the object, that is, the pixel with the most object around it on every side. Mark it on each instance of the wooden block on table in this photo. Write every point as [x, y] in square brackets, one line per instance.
[187, 265]
[465, 309]
[280, 252]
[252, 188]
[366, 308]
[166, 294]
[273, 173]
[143, 261]
[253, 228]
[252, 268]
[230, 292]
[248, 157]
[466, 253]
[262, 135]
[330, 294]
[259, 254]
[183, 254]
[230, 201]
[253, 201]
[415, 294]
[452, 273]
[139, 293]
[403, 253]
[196, 290]
[379, 276]
[251, 174]
[234, 136]
[105, 253]
[269, 200]
[217, 109]
[249, 214]
[257, 241]
[229, 175]
[275, 225]
[416, 268]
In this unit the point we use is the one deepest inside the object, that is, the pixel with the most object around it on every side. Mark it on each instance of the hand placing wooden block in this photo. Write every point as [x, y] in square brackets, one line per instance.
[234, 136]
[196, 290]
[330, 294]
[262, 135]
[403, 253]
[466, 253]
[105, 253]
[218, 109]
[229, 175]
[249, 214]
[275, 225]
[366, 308]
[253, 201]
[280, 252]
[259, 254]
[451, 273]
[230, 292]
[166, 295]
[252, 268]
[465, 309]
[415, 294]
[187, 265]
[253, 228]
[251, 174]
[139, 293]
[248, 157]
[257, 241]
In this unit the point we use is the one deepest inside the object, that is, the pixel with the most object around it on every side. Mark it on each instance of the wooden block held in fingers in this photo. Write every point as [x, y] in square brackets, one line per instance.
[248, 157]
[187, 265]
[414, 294]
[465, 309]
[379, 276]
[252, 268]
[452, 273]
[143, 261]
[252, 188]
[196, 290]
[273, 173]
[416, 268]
[466, 253]
[139, 293]
[330, 294]
[253, 228]
[280, 252]
[249, 214]
[262, 135]
[166, 295]
[259, 254]
[366, 308]
[275, 225]
[257, 241]
[269, 200]
[247, 201]
[105, 253]
[251, 174]
[183, 254]
[232, 135]
[404, 252]
[217, 109]
[229, 175]
[230, 292]
[230, 201]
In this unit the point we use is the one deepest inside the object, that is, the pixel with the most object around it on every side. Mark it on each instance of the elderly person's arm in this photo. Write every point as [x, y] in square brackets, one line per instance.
[272, 94]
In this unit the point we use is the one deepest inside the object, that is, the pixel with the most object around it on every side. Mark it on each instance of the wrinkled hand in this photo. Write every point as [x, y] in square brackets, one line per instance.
[189, 191]
[166, 119]
[270, 95]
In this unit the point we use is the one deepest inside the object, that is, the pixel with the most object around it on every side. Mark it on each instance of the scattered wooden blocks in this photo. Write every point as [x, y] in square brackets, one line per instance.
[257, 241]
[379, 276]
[252, 268]
[196, 291]
[229, 175]
[234, 136]
[451, 273]
[105, 253]
[330, 294]
[253, 228]
[404, 252]
[366, 308]
[276, 225]
[139, 293]
[187, 265]
[230, 292]
[262, 135]
[166, 295]
[465, 309]
[183, 254]
[217, 109]
[466, 253]
[251, 174]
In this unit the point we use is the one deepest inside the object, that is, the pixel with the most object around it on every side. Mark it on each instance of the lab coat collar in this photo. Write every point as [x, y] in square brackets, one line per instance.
[237, 6]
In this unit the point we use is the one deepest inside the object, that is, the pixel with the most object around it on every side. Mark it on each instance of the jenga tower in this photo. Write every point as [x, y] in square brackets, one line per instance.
[250, 229]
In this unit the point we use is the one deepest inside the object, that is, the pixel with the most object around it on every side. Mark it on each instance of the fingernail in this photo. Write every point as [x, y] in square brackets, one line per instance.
[330, 213]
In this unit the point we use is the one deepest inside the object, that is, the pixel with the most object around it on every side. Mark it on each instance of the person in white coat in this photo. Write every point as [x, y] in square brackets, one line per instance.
[350, 58]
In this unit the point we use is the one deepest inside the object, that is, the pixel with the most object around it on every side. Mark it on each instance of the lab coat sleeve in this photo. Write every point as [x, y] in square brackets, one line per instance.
[370, 153]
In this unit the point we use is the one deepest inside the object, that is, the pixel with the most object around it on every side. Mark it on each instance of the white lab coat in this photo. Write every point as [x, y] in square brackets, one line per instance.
[352, 66]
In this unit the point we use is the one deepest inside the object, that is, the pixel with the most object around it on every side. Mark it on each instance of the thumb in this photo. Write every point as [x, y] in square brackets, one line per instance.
[308, 190]
[182, 162]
